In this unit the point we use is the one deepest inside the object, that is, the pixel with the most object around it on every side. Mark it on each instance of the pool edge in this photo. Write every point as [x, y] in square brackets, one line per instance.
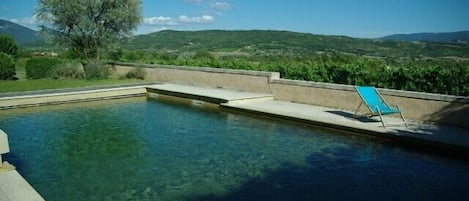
[84, 95]
[13, 187]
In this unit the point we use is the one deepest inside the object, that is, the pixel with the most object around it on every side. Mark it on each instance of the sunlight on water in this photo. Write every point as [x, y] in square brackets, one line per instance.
[138, 149]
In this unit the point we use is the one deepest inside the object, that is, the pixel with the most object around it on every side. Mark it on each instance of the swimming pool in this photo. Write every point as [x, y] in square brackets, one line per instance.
[146, 149]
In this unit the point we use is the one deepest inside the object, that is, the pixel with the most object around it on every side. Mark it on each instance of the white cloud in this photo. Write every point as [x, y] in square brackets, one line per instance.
[199, 20]
[162, 23]
[193, 1]
[26, 20]
[160, 20]
[220, 5]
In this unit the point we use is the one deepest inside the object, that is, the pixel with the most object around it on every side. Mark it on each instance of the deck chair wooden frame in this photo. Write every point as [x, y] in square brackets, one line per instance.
[376, 104]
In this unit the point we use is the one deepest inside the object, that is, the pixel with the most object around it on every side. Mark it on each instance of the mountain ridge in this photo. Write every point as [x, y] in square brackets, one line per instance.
[22, 35]
[444, 37]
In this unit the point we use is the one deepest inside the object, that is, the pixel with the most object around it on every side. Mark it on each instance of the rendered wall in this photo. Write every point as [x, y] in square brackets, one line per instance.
[254, 81]
[419, 106]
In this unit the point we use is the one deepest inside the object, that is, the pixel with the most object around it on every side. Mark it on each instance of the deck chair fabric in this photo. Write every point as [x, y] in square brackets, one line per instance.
[376, 104]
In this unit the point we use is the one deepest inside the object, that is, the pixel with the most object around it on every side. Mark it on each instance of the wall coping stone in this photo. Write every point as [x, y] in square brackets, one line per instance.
[271, 75]
[391, 92]
[70, 90]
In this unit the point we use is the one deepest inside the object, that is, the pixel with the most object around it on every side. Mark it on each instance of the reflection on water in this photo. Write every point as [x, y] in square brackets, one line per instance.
[136, 149]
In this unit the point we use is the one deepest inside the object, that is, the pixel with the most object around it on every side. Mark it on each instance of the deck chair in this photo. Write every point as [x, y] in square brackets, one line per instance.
[376, 104]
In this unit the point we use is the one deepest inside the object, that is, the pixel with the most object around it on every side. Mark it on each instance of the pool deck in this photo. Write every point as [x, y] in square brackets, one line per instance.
[13, 187]
[424, 135]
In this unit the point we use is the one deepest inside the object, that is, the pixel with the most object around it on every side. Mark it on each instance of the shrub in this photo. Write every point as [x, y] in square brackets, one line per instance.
[69, 71]
[8, 46]
[133, 56]
[136, 73]
[7, 67]
[115, 55]
[96, 71]
[41, 67]
[203, 55]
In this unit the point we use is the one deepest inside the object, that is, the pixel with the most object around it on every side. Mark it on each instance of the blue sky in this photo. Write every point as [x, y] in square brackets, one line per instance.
[356, 18]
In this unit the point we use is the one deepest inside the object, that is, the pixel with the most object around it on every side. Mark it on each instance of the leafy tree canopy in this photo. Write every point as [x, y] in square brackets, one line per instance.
[7, 67]
[8, 46]
[86, 26]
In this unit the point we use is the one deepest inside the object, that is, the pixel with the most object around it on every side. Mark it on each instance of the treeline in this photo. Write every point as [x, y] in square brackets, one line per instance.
[432, 76]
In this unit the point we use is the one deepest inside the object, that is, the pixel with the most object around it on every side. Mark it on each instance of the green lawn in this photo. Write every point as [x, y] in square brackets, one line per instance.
[31, 85]
[23, 84]
[20, 68]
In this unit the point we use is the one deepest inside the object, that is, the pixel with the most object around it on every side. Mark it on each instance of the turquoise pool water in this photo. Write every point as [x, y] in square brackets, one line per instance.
[144, 149]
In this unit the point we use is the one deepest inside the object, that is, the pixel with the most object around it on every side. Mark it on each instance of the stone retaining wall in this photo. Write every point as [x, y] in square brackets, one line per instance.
[439, 108]
[254, 81]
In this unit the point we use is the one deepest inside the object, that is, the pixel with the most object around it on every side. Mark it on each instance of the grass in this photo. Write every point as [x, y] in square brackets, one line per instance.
[23, 84]
[20, 68]
[32, 85]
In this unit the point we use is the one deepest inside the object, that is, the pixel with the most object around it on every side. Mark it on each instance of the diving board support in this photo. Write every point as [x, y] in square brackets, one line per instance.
[4, 146]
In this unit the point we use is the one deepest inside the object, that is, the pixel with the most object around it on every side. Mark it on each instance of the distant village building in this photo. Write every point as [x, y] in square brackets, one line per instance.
[46, 54]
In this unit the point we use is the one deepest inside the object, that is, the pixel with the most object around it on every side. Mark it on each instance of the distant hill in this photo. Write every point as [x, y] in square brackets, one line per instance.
[451, 37]
[285, 42]
[223, 40]
[21, 34]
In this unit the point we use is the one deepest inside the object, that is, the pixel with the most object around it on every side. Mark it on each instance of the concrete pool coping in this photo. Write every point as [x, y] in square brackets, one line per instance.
[13, 187]
[77, 95]
[429, 136]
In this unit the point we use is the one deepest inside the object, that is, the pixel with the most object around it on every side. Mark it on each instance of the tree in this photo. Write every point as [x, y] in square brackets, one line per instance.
[8, 46]
[7, 67]
[8, 50]
[86, 26]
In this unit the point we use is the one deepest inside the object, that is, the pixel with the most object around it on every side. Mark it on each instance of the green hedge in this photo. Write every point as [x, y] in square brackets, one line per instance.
[7, 67]
[440, 76]
[432, 78]
[41, 67]
[443, 76]
[69, 70]
[8, 46]
[96, 71]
